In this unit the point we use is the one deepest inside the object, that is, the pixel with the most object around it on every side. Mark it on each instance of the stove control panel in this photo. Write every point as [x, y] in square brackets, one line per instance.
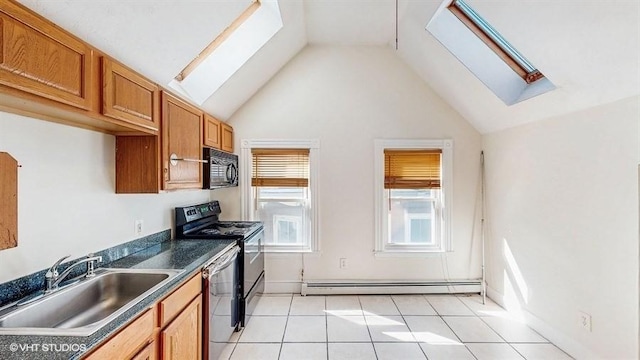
[197, 212]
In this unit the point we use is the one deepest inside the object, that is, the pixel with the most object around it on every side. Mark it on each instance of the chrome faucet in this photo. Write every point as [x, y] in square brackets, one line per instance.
[53, 279]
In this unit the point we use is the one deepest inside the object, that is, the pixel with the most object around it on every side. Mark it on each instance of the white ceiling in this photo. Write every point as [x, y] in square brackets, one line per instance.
[589, 49]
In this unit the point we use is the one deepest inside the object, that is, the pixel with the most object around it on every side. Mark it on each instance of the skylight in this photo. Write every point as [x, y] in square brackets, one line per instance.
[229, 51]
[486, 53]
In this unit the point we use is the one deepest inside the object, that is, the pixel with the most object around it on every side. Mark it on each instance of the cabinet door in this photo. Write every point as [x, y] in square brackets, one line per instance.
[181, 139]
[128, 96]
[125, 344]
[212, 135]
[227, 138]
[39, 58]
[182, 339]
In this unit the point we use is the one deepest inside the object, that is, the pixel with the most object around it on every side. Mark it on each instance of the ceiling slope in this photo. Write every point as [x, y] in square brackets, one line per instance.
[159, 38]
[590, 50]
[350, 22]
[262, 66]
[156, 38]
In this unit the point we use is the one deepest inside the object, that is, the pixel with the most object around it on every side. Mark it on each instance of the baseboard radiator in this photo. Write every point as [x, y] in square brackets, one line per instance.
[334, 287]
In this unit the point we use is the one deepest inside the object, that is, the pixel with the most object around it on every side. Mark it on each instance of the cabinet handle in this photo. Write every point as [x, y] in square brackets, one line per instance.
[173, 159]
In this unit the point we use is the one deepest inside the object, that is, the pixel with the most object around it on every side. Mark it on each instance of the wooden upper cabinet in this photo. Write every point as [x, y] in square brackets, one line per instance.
[212, 134]
[138, 164]
[227, 138]
[128, 96]
[182, 339]
[181, 140]
[40, 58]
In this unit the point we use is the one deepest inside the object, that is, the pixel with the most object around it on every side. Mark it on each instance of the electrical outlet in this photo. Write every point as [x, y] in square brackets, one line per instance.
[343, 263]
[138, 227]
[585, 320]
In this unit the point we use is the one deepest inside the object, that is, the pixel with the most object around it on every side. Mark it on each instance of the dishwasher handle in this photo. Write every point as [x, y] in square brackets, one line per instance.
[221, 263]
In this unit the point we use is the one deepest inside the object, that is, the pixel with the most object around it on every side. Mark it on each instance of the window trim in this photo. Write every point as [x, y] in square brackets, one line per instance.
[446, 145]
[246, 192]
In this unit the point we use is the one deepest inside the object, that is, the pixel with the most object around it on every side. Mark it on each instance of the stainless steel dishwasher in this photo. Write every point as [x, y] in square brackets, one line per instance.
[221, 305]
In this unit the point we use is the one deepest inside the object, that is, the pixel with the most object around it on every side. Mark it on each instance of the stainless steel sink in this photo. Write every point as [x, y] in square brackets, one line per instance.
[82, 308]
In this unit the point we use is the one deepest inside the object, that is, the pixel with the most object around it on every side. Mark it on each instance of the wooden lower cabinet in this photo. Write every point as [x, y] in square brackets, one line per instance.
[182, 338]
[126, 343]
[148, 353]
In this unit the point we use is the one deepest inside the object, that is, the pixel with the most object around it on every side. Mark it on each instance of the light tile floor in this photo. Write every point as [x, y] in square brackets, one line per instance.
[403, 327]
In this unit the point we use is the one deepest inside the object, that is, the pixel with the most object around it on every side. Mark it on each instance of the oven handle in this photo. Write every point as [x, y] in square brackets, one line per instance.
[221, 263]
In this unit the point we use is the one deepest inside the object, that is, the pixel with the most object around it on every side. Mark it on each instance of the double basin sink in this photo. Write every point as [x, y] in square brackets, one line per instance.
[82, 308]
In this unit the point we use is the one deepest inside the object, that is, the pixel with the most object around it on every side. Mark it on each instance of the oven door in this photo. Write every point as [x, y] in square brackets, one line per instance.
[253, 261]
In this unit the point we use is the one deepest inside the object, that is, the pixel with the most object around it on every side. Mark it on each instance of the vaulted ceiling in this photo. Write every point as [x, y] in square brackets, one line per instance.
[589, 49]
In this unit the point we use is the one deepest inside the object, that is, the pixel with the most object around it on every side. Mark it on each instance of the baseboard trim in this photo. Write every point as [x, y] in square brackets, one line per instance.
[282, 287]
[561, 340]
[370, 287]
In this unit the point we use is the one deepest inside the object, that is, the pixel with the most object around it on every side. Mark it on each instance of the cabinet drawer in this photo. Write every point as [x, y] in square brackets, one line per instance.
[39, 58]
[148, 353]
[128, 341]
[173, 304]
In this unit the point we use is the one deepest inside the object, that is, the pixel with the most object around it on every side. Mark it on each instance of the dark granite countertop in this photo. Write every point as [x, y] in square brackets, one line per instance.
[186, 255]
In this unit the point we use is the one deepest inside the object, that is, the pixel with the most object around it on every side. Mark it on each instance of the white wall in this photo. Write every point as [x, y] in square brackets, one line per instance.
[66, 195]
[563, 220]
[346, 97]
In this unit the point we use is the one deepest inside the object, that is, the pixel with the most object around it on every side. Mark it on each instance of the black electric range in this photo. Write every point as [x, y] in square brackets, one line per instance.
[201, 222]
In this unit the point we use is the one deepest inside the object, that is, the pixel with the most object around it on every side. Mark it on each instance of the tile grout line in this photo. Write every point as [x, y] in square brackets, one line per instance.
[407, 325]
[453, 332]
[284, 333]
[326, 326]
[505, 340]
[403, 317]
[368, 330]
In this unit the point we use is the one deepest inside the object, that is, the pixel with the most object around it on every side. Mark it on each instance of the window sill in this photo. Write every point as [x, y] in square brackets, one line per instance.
[415, 253]
[289, 253]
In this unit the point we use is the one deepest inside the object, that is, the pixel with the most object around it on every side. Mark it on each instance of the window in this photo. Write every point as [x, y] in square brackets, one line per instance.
[483, 30]
[486, 53]
[281, 192]
[257, 23]
[413, 180]
[287, 229]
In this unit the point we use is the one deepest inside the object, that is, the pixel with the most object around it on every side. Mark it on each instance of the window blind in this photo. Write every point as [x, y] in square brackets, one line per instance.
[412, 169]
[280, 167]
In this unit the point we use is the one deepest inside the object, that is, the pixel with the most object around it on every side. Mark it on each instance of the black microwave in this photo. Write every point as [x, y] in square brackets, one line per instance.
[220, 169]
